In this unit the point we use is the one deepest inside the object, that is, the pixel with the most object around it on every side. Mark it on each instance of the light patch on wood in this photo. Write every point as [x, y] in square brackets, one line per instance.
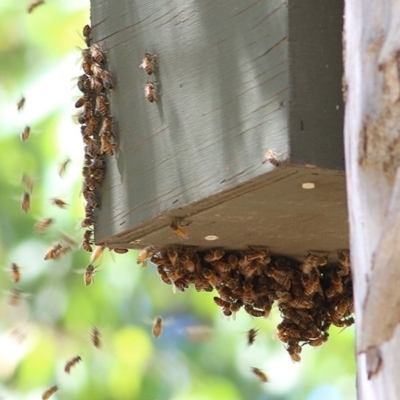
[374, 361]
[382, 303]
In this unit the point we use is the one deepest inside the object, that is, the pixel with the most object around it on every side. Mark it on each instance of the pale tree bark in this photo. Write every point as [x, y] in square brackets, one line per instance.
[372, 141]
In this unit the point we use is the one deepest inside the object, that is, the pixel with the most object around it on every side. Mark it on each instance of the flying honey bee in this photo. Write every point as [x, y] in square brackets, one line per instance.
[177, 227]
[102, 105]
[87, 30]
[63, 167]
[148, 63]
[251, 336]
[26, 132]
[26, 202]
[49, 392]
[260, 374]
[54, 252]
[34, 4]
[15, 297]
[59, 203]
[95, 336]
[15, 273]
[42, 225]
[150, 91]
[97, 53]
[106, 146]
[71, 363]
[157, 327]
[28, 183]
[21, 103]
[88, 276]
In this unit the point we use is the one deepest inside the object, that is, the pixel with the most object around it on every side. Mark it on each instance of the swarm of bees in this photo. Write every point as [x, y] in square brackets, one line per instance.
[96, 127]
[311, 296]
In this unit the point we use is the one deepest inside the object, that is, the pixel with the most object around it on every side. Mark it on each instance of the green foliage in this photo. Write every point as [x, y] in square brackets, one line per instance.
[53, 320]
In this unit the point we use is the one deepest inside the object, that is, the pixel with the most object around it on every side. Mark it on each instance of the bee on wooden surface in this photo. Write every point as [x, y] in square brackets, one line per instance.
[87, 68]
[21, 103]
[146, 253]
[253, 312]
[50, 391]
[15, 273]
[119, 250]
[42, 225]
[26, 202]
[71, 363]
[214, 255]
[106, 146]
[97, 53]
[96, 84]
[272, 157]
[233, 261]
[259, 374]
[87, 240]
[102, 105]
[83, 83]
[34, 4]
[59, 203]
[87, 222]
[212, 279]
[336, 285]
[251, 336]
[148, 63]
[87, 30]
[188, 264]
[63, 167]
[106, 127]
[26, 132]
[157, 327]
[95, 336]
[313, 261]
[107, 80]
[81, 102]
[344, 260]
[91, 198]
[150, 91]
[98, 175]
[28, 183]
[88, 276]
[179, 230]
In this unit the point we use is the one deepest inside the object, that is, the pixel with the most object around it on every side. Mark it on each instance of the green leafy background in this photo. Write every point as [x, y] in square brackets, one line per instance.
[40, 58]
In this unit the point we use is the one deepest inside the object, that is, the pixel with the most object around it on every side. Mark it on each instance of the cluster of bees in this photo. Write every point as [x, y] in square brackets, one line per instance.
[96, 127]
[311, 296]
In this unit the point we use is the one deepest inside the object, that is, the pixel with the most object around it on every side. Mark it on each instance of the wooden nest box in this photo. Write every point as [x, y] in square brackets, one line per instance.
[244, 144]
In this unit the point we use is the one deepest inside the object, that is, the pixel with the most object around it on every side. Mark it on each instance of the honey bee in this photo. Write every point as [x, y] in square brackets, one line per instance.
[299, 302]
[87, 30]
[71, 363]
[63, 167]
[177, 227]
[148, 63]
[253, 312]
[87, 68]
[294, 350]
[119, 250]
[212, 279]
[59, 203]
[32, 6]
[260, 374]
[150, 91]
[97, 53]
[98, 175]
[247, 295]
[83, 83]
[106, 146]
[26, 132]
[157, 327]
[106, 79]
[15, 273]
[21, 103]
[42, 225]
[87, 222]
[146, 253]
[26, 202]
[54, 252]
[87, 240]
[294, 356]
[214, 255]
[28, 183]
[49, 392]
[344, 260]
[251, 336]
[95, 84]
[283, 277]
[88, 276]
[319, 341]
[340, 308]
[336, 286]
[102, 105]
[163, 275]
[310, 282]
[15, 297]
[313, 261]
[95, 336]
[272, 157]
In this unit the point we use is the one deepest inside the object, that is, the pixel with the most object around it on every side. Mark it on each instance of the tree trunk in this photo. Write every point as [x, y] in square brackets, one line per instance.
[372, 124]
